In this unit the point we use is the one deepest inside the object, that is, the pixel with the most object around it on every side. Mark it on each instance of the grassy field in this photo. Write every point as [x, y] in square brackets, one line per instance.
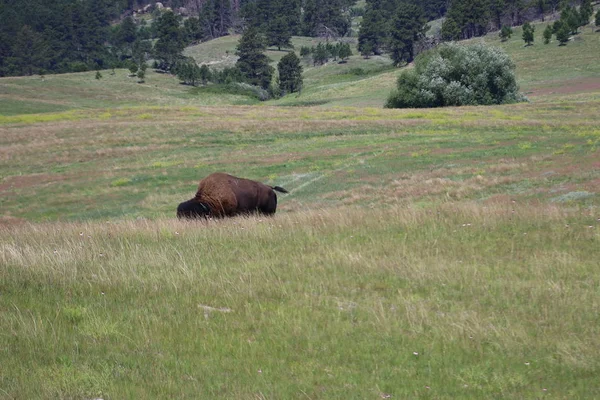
[445, 253]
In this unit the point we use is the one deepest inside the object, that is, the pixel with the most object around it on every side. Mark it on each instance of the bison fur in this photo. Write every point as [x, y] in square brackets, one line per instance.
[223, 195]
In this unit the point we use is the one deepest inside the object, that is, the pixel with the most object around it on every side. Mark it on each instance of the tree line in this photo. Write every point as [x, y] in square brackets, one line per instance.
[57, 36]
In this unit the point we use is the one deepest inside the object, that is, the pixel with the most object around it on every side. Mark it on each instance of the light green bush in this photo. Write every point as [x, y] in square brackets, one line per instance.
[457, 75]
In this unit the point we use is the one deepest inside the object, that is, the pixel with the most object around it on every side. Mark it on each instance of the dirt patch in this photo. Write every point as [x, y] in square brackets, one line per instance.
[568, 87]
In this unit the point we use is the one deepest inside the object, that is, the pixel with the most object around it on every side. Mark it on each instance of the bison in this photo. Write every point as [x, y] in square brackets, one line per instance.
[223, 195]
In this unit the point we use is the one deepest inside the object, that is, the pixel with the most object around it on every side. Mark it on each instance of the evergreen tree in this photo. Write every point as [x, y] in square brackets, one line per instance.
[562, 34]
[141, 51]
[541, 8]
[320, 55]
[170, 43]
[324, 18]
[372, 33]
[193, 30]
[253, 63]
[450, 29]
[570, 18]
[142, 74]
[310, 18]
[205, 74]
[216, 18]
[598, 18]
[585, 12]
[465, 19]
[278, 34]
[290, 73]
[528, 31]
[133, 68]
[505, 33]
[548, 34]
[188, 71]
[345, 51]
[408, 26]
[30, 52]
[126, 33]
[304, 51]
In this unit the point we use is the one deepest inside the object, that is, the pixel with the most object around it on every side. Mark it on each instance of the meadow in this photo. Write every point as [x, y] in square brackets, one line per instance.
[441, 253]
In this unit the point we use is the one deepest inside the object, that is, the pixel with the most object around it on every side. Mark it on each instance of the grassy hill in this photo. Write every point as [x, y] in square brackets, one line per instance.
[445, 253]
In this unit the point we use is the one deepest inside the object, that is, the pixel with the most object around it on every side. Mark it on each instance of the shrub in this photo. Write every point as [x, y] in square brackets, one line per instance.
[505, 33]
[457, 75]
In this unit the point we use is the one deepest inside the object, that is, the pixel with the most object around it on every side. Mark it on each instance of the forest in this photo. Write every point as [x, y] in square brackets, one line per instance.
[59, 36]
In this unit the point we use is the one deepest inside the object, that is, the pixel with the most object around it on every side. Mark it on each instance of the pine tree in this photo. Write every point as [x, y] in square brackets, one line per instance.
[253, 63]
[585, 12]
[320, 55]
[408, 26]
[528, 31]
[192, 30]
[373, 30]
[505, 33]
[548, 34]
[170, 44]
[278, 34]
[562, 34]
[205, 74]
[30, 51]
[345, 51]
[290, 73]
[142, 73]
[541, 7]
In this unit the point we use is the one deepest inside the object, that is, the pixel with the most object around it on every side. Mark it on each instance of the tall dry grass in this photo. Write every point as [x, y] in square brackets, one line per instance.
[454, 301]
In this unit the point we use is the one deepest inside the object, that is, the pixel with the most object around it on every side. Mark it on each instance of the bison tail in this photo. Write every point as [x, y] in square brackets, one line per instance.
[279, 189]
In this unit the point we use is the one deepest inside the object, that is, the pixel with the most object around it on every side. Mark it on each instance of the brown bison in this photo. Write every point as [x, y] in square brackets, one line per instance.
[222, 195]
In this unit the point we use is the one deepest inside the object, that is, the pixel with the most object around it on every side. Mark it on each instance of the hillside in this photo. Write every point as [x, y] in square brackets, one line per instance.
[432, 253]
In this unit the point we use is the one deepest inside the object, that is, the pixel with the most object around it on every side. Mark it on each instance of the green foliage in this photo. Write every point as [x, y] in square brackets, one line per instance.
[133, 67]
[188, 72]
[171, 42]
[305, 51]
[320, 54]
[465, 19]
[205, 74]
[408, 26]
[548, 34]
[278, 33]
[373, 30]
[98, 75]
[562, 33]
[216, 18]
[193, 30]
[597, 21]
[585, 12]
[528, 36]
[325, 18]
[141, 74]
[505, 33]
[455, 75]
[290, 73]
[344, 51]
[252, 62]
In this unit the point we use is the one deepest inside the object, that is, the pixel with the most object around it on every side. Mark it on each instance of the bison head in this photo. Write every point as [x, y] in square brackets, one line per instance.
[192, 209]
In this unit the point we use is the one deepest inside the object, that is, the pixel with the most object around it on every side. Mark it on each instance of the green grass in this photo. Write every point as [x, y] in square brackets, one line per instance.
[441, 253]
[464, 302]
[549, 65]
